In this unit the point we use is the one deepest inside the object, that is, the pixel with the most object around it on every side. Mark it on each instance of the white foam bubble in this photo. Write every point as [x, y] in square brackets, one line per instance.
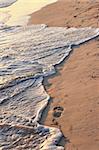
[28, 54]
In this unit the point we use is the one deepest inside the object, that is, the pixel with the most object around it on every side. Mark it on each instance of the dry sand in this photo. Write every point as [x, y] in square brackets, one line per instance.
[74, 106]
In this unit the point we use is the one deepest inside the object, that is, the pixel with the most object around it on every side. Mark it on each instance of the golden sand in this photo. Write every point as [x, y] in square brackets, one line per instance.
[75, 86]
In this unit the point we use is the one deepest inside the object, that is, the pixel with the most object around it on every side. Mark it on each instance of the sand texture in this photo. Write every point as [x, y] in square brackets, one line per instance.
[74, 105]
[75, 90]
[69, 13]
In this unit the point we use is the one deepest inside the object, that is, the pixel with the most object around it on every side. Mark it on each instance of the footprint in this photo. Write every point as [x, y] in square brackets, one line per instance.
[58, 108]
[57, 111]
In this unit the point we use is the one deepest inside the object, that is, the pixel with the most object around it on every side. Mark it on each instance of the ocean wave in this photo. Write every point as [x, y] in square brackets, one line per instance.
[6, 3]
[27, 55]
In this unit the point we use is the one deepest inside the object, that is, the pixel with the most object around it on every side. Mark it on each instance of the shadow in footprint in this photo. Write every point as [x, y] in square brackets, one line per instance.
[57, 111]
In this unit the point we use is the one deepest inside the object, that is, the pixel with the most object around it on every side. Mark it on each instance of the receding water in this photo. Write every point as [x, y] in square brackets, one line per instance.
[27, 55]
[19, 12]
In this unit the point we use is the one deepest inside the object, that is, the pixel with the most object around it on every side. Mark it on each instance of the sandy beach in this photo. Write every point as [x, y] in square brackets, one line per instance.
[74, 88]
[69, 13]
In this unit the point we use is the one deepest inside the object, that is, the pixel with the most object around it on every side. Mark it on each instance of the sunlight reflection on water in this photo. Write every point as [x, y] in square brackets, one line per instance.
[19, 12]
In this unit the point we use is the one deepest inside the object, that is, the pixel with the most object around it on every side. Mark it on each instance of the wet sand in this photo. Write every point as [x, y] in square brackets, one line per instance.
[69, 13]
[74, 105]
[75, 90]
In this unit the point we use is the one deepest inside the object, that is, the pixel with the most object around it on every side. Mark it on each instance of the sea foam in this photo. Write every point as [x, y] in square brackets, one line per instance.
[27, 55]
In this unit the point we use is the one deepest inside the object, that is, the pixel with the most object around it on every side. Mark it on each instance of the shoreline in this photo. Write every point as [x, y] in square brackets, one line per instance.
[18, 12]
[70, 92]
[52, 82]
[51, 120]
[64, 141]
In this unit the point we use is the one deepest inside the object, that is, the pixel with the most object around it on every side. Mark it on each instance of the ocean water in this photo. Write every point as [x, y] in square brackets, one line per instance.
[19, 13]
[27, 55]
[6, 3]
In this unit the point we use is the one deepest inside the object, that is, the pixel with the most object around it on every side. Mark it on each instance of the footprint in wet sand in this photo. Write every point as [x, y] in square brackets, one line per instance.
[57, 111]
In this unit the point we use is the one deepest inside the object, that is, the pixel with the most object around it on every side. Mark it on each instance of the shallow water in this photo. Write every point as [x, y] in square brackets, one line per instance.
[6, 3]
[19, 12]
[27, 55]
